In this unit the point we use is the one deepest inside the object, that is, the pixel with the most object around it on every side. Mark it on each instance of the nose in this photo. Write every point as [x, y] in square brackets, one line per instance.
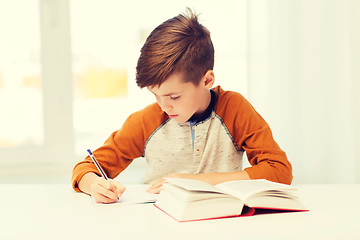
[164, 105]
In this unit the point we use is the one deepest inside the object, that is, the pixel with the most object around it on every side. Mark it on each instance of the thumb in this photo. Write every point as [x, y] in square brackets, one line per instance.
[118, 188]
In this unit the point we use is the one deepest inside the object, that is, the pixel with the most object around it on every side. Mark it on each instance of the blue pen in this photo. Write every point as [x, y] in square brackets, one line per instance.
[103, 174]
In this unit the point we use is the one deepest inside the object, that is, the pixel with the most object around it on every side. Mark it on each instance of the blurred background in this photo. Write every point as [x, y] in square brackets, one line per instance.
[67, 78]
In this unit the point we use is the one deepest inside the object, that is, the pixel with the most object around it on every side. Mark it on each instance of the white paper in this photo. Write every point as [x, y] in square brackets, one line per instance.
[135, 194]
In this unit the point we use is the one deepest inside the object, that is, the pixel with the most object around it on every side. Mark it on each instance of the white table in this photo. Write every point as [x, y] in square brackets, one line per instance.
[56, 212]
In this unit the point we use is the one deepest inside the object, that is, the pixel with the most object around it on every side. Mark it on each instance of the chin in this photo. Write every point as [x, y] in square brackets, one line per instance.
[178, 120]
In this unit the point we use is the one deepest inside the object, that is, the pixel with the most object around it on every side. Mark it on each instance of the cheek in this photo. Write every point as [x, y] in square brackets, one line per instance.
[190, 105]
[180, 107]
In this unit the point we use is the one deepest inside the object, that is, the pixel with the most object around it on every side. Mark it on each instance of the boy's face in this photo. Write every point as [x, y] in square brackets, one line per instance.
[179, 99]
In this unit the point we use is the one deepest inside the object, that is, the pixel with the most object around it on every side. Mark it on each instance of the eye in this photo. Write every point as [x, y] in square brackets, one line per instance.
[175, 97]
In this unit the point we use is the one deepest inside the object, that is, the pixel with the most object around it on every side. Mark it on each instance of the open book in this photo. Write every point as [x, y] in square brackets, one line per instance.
[188, 200]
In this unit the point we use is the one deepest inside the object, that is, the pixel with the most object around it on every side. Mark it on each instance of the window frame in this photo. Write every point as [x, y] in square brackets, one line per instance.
[56, 78]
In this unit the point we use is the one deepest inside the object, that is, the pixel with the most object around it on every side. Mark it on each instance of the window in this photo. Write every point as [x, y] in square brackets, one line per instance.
[36, 128]
[20, 75]
[67, 72]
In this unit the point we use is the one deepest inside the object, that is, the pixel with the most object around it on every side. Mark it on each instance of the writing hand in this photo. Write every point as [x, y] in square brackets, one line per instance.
[104, 191]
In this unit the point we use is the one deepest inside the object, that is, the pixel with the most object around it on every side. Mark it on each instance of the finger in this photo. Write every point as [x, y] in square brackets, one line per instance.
[107, 193]
[117, 187]
[155, 190]
[104, 183]
[99, 198]
[157, 186]
[103, 187]
[112, 185]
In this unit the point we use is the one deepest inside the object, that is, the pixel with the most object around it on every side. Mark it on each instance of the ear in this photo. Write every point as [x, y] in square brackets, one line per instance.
[208, 79]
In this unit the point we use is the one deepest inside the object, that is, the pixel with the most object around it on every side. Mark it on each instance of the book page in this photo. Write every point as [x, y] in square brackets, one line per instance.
[246, 188]
[193, 185]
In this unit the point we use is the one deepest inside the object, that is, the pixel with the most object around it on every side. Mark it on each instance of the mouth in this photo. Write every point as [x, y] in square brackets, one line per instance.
[173, 116]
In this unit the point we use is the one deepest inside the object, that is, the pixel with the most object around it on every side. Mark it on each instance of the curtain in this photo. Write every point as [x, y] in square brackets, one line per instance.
[304, 78]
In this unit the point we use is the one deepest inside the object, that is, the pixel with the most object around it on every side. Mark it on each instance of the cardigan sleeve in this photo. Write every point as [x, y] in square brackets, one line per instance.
[253, 135]
[122, 146]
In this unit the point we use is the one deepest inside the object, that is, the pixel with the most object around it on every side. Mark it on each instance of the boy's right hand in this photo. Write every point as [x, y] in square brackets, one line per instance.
[100, 189]
[104, 191]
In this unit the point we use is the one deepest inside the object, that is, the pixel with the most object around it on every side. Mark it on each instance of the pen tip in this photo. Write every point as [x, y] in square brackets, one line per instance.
[89, 151]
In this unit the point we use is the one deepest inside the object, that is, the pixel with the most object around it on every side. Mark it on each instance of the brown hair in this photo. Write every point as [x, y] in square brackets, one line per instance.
[179, 45]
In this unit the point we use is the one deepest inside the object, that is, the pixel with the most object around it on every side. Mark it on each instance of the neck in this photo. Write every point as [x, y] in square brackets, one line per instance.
[205, 105]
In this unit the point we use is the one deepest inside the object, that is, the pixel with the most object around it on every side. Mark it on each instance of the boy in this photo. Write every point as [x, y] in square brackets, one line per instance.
[193, 131]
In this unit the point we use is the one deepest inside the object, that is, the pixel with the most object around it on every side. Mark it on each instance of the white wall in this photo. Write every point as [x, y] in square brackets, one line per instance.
[303, 76]
[308, 56]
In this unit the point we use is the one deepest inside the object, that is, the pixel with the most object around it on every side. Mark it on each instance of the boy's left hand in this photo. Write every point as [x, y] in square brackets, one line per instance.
[157, 186]
[211, 178]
